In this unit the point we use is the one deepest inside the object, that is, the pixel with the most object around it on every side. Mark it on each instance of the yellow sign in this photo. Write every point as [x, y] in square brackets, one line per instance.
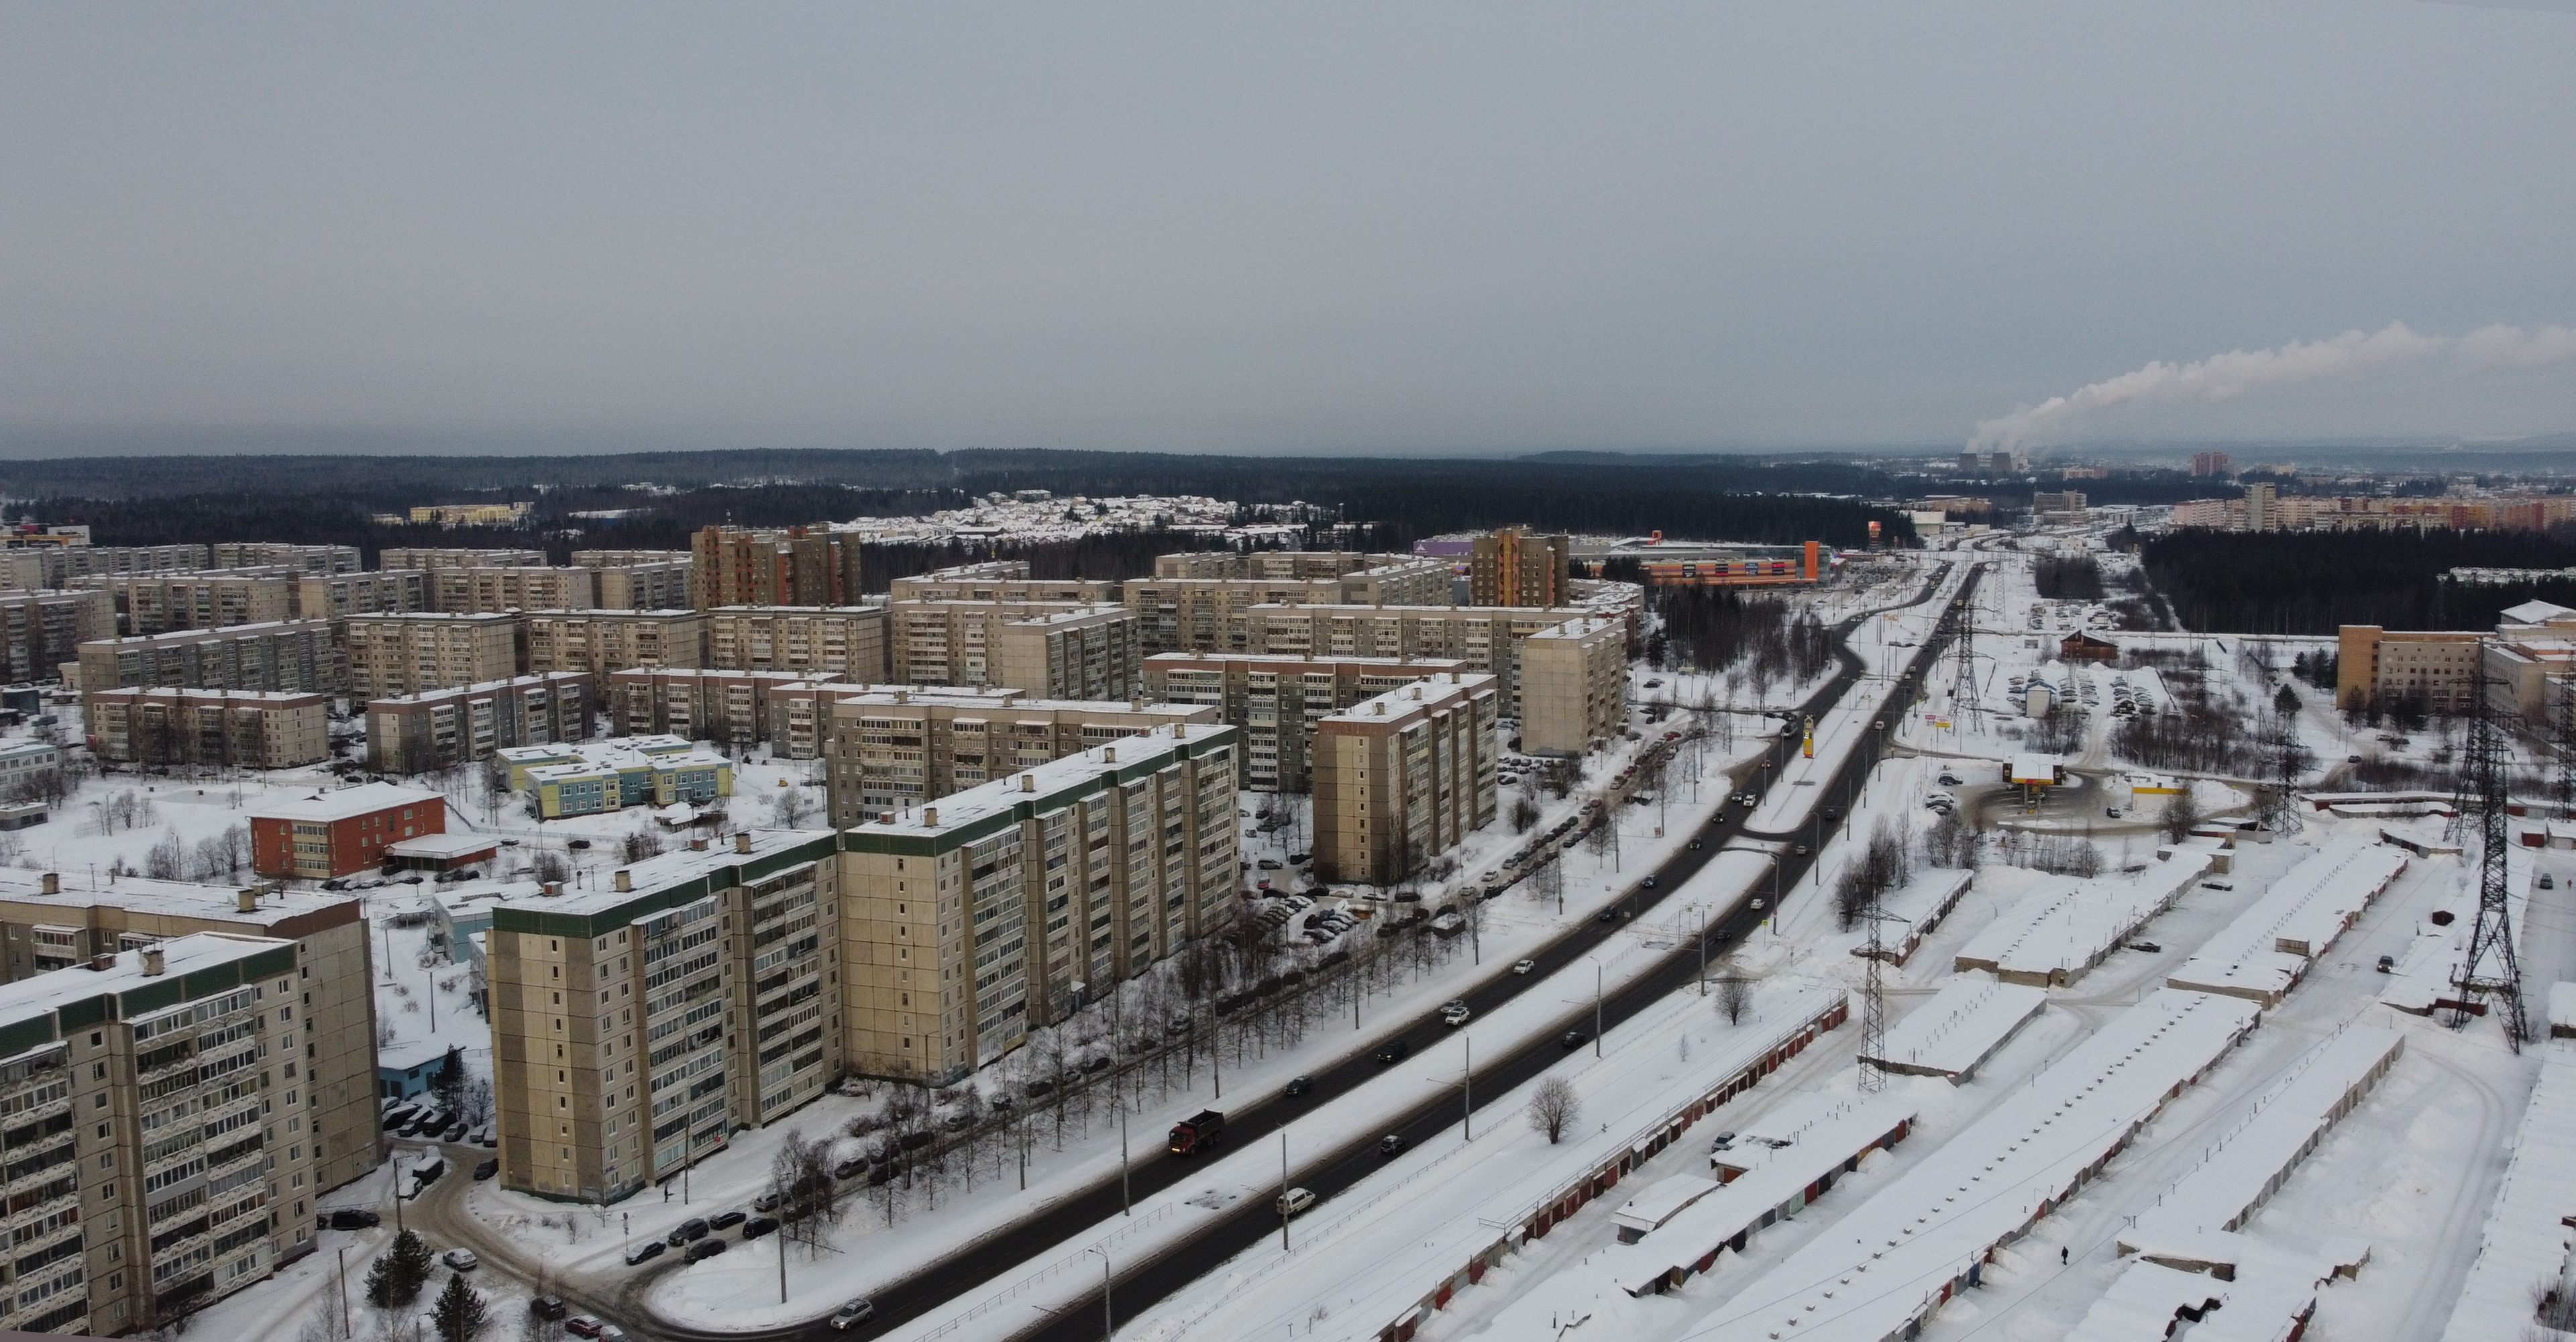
[1810, 747]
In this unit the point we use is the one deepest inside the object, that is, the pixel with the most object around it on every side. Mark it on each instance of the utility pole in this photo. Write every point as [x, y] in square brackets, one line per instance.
[1703, 949]
[1468, 1086]
[1108, 1320]
[781, 1237]
[1126, 1204]
[1284, 1209]
[2492, 970]
[1596, 1008]
[344, 1294]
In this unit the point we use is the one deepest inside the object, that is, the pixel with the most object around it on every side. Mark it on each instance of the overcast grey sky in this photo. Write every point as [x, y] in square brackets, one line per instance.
[1370, 227]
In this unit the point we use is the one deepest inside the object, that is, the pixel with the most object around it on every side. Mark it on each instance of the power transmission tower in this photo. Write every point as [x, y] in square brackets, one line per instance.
[1963, 686]
[1873, 1004]
[2567, 742]
[2492, 974]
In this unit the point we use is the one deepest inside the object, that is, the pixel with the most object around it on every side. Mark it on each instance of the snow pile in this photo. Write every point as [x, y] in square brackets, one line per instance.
[2270, 1300]
[2269, 947]
[2253, 1160]
[1925, 1236]
[1960, 1027]
[2061, 930]
[2526, 1243]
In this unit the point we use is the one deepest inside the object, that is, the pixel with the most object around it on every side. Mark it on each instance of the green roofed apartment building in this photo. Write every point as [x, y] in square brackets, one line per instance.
[155, 1110]
[635, 1028]
[968, 922]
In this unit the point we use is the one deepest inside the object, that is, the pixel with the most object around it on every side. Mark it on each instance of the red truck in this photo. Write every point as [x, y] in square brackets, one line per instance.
[1197, 1132]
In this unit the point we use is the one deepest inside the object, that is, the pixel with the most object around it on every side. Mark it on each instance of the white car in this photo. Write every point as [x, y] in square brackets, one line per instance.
[1295, 1200]
[460, 1260]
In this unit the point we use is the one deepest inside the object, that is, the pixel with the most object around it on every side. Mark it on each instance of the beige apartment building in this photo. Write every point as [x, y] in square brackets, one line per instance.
[635, 1027]
[39, 631]
[341, 595]
[892, 749]
[626, 558]
[970, 922]
[405, 654]
[2438, 669]
[158, 603]
[1046, 648]
[601, 641]
[1000, 580]
[1199, 606]
[434, 558]
[461, 724]
[700, 704]
[1574, 686]
[163, 1158]
[1278, 700]
[247, 729]
[50, 925]
[792, 566]
[1487, 638]
[662, 585]
[296, 656]
[822, 642]
[105, 561]
[490, 587]
[1404, 777]
[1509, 567]
[320, 561]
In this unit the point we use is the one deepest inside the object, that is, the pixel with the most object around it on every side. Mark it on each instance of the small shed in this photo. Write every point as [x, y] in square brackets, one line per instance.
[442, 852]
[407, 1069]
[2082, 647]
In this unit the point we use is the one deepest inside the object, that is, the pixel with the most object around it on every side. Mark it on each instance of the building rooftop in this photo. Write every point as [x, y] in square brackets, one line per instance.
[128, 974]
[1433, 693]
[142, 894]
[688, 873]
[346, 803]
[444, 847]
[976, 807]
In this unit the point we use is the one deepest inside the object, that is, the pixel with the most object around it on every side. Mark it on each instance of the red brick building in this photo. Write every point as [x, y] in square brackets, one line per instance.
[343, 831]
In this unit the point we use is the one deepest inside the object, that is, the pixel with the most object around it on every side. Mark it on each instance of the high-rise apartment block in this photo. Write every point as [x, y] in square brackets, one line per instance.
[626, 558]
[108, 561]
[248, 729]
[1509, 567]
[319, 561]
[1487, 638]
[1278, 700]
[461, 724]
[404, 654]
[795, 566]
[970, 923]
[1402, 778]
[897, 748]
[1574, 686]
[644, 586]
[435, 558]
[1046, 648]
[1195, 602]
[699, 704]
[1000, 580]
[601, 641]
[157, 603]
[294, 656]
[2206, 464]
[39, 631]
[491, 587]
[635, 1028]
[826, 642]
[338, 596]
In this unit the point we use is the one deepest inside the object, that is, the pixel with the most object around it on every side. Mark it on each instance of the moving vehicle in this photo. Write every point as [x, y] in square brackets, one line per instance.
[645, 1252]
[853, 1314]
[1394, 1050]
[703, 1250]
[1524, 966]
[1391, 1145]
[584, 1325]
[1295, 1200]
[1200, 1130]
[2388, 964]
[485, 1169]
[1570, 1039]
[1300, 1085]
[460, 1260]
[1454, 1013]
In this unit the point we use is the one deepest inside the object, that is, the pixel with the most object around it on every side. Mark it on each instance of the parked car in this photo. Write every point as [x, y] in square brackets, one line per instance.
[703, 1250]
[1295, 1200]
[724, 1220]
[485, 1169]
[1524, 966]
[2547, 882]
[2150, 947]
[645, 1252]
[759, 1226]
[767, 1202]
[1390, 1145]
[584, 1325]
[851, 1168]
[549, 1307]
[694, 1228]
[460, 1260]
[853, 1314]
[355, 1218]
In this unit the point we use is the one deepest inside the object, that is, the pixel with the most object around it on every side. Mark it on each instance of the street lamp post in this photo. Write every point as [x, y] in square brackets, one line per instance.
[1108, 1319]
[1468, 1087]
[1596, 1008]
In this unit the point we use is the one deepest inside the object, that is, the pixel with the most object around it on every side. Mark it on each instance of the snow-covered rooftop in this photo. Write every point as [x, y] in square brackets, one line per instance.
[1961, 1026]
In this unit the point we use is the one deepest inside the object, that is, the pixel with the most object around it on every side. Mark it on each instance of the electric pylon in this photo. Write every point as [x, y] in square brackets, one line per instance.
[2492, 974]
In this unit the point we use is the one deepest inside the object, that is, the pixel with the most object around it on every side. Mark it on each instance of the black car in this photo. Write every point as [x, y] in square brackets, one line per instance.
[1570, 1039]
[724, 1220]
[1393, 1050]
[851, 1168]
[1694, 845]
[355, 1218]
[645, 1252]
[759, 1226]
[1649, 882]
[1300, 1085]
[703, 1250]
[1391, 1144]
[691, 1229]
[486, 1169]
[1608, 915]
[549, 1307]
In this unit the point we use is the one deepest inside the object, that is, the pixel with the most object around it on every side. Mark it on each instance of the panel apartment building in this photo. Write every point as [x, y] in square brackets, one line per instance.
[601, 641]
[696, 703]
[893, 749]
[971, 922]
[293, 656]
[635, 1028]
[1487, 638]
[1277, 701]
[491, 587]
[39, 631]
[1404, 777]
[437, 558]
[246, 729]
[824, 642]
[1508, 567]
[1046, 648]
[157, 603]
[462, 724]
[405, 654]
[1196, 602]
[341, 595]
[48, 925]
[319, 561]
[1574, 686]
[186, 1056]
[1000, 580]
[793, 566]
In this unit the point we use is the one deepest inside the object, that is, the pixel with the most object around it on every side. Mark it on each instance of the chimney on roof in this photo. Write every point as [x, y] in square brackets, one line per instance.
[1109, 754]
[103, 961]
[1381, 708]
[152, 962]
[698, 845]
[246, 899]
[930, 817]
[551, 889]
[625, 880]
[1028, 782]
[742, 842]
[53, 882]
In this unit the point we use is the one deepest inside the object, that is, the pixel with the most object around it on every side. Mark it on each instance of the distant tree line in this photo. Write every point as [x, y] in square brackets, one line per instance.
[2311, 582]
[1765, 639]
[2068, 577]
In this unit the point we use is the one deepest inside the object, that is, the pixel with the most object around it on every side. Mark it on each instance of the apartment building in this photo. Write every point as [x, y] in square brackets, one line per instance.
[1201, 607]
[405, 654]
[644, 586]
[319, 561]
[159, 1154]
[1404, 777]
[342, 831]
[461, 724]
[436, 558]
[24, 569]
[892, 749]
[1278, 700]
[245, 729]
[635, 1028]
[1047, 648]
[1487, 638]
[596, 777]
[1574, 686]
[627, 558]
[491, 587]
[1510, 567]
[29, 769]
[969, 922]
[338, 596]
[39, 631]
[297, 656]
[824, 642]
[157, 603]
[794, 566]
[108, 561]
[695, 703]
[1000, 580]
[48, 925]
[601, 641]
[2438, 669]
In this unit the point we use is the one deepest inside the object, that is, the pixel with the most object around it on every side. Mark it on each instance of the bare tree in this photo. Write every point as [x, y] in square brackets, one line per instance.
[2181, 814]
[1524, 814]
[1734, 995]
[167, 860]
[1553, 1107]
[809, 1198]
[790, 807]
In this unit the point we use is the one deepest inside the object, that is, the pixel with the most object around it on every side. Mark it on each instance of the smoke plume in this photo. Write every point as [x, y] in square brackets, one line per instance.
[2224, 376]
